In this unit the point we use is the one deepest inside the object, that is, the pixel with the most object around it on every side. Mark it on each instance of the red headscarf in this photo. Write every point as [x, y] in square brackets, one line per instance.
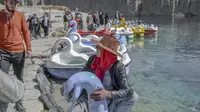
[103, 64]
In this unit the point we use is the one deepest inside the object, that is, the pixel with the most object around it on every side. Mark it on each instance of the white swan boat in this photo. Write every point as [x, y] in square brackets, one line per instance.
[78, 46]
[65, 62]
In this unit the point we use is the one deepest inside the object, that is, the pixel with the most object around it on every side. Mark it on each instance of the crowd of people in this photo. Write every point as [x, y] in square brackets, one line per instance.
[93, 20]
[35, 23]
[14, 30]
[68, 16]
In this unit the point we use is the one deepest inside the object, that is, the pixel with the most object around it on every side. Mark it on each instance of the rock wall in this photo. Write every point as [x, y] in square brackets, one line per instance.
[109, 6]
[133, 7]
[168, 7]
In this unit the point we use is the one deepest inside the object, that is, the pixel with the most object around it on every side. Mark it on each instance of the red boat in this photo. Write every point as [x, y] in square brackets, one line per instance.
[149, 32]
[98, 33]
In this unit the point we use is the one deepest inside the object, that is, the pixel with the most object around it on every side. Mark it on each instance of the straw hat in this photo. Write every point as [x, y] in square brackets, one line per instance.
[108, 43]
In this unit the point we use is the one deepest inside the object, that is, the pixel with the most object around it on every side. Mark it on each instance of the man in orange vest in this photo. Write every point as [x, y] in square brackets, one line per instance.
[13, 31]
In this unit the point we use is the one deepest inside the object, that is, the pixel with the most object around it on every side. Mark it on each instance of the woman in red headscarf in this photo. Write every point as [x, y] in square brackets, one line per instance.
[112, 74]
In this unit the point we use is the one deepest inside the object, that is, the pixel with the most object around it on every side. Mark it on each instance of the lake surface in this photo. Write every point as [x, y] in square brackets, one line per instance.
[165, 69]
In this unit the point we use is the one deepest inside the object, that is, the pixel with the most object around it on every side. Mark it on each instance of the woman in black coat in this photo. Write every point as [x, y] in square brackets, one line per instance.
[101, 18]
[106, 19]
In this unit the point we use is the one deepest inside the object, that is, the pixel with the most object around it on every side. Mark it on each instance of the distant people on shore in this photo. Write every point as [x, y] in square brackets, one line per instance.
[30, 24]
[117, 17]
[101, 18]
[96, 18]
[106, 18]
[35, 23]
[67, 17]
[46, 24]
[79, 18]
[89, 21]
[36, 26]
[93, 20]
[76, 11]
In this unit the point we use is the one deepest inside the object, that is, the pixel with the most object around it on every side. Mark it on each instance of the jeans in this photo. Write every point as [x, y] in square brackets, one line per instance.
[16, 59]
[121, 105]
[46, 31]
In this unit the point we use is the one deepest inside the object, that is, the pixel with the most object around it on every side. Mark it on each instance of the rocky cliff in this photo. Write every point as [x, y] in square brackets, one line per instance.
[134, 7]
[109, 6]
[168, 7]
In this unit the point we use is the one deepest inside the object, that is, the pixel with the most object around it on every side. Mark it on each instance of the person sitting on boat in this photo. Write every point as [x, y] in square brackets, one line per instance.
[122, 22]
[112, 74]
[117, 16]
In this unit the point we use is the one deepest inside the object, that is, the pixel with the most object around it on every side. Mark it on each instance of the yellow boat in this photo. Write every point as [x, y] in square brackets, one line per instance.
[138, 32]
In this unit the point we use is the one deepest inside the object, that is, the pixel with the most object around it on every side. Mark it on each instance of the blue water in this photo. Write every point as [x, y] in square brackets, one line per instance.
[165, 69]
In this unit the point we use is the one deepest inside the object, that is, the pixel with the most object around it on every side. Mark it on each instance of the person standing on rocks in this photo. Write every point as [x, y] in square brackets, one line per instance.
[101, 18]
[76, 11]
[67, 18]
[106, 18]
[89, 21]
[36, 26]
[14, 32]
[46, 24]
[79, 18]
[96, 18]
[30, 24]
[80, 21]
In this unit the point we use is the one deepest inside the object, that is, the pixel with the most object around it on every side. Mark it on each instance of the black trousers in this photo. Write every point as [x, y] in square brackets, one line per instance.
[46, 31]
[15, 59]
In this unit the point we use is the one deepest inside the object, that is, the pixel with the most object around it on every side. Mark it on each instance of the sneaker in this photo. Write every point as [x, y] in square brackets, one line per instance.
[20, 108]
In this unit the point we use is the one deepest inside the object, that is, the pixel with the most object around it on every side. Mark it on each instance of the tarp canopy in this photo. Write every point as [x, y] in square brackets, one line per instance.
[61, 8]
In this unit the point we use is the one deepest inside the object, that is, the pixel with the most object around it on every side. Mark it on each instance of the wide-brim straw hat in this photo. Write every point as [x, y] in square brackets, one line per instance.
[108, 43]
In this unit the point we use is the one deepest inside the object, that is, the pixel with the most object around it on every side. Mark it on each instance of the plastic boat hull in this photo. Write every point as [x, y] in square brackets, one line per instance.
[62, 73]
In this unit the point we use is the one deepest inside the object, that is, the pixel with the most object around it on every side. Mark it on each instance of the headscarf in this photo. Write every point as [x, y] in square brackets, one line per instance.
[103, 64]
